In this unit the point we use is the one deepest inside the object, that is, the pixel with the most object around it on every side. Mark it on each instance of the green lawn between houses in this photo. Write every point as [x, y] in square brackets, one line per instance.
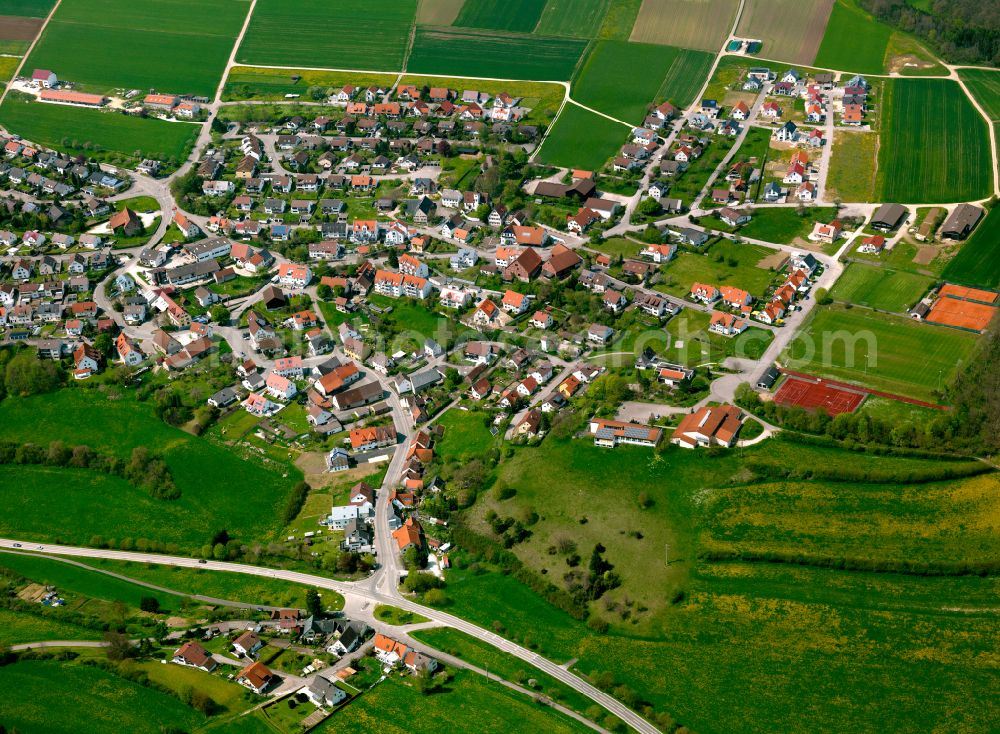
[220, 489]
[811, 634]
[465, 435]
[890, 353]
[723, 263]
[580, 138]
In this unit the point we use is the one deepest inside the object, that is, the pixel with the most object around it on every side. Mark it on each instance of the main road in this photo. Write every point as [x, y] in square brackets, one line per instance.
[361, 590]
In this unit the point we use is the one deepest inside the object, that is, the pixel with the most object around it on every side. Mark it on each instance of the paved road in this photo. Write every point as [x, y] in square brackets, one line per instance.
[362, 590]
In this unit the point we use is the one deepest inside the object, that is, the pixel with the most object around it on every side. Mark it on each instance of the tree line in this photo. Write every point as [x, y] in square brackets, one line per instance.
[143, 469]
[962, 31]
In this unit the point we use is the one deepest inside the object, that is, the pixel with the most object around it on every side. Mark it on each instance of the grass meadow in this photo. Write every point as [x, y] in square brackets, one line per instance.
[76, 130]
[306, 34]
[903, 356]
[465, 435]
[64, 698]
[753, 647]
[467, 703]
[790, 30]
[697, 24]
[471, 52]
[854, 41]
[619, 19]
[178, 46]
[784, 225]
[921, 157]
[69, 577]
[581, 139]
[575, 18]
[17, 628]
[880, 288]
[72, 505]
[8, 64]
[502, 15]
[724, 263]
[853, 166]
[218, 584]
[978, 262]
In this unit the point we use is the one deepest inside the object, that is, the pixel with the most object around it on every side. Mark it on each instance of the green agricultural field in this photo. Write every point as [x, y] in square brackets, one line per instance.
[791, 30]
[465, 435]
[619, 19]
[26, 8]
[921, 158]
[89, 132]
[581, 139]
[889, 353]
[985, 87]
[306, 33]
[468, 703]
[913, 523]
[853, 166]
[18, 628]
[245, 82]
[67, 698]
[218, 584]
[501, 15]
[785, 225]
[75, 504]
[685, 77]
[599, 83]
[469, 52]
[195, 35]
[69, 577]
[880, 288]
[978, 262]
[576, 18]
[854, 41]
[698, 24]
[724, 263]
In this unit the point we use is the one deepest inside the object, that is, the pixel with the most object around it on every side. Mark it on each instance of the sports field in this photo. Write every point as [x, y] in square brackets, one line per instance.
[815, 394]
[348, 34]
[576, 18]
[893, 354]
[178, 46]
[679, 73]
[581, 139]
[791, 30]
[79, 130]
[500, 55]
[501, 15]
[961, 314]
[985, 87]
[940, 157]
[854, 41]
[698, 24]
[978, 262]
[880, 288]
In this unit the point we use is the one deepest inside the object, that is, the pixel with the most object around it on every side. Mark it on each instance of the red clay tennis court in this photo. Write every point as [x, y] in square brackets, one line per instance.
[815, 393]
[961, 314]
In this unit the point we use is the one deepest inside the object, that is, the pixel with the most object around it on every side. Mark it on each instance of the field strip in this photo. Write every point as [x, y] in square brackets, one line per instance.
[232, 54]
[563, 84]
[991, 130]
[17, 71]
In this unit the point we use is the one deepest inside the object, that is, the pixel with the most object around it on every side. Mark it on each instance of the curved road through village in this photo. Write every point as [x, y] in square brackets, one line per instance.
[362, 591]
